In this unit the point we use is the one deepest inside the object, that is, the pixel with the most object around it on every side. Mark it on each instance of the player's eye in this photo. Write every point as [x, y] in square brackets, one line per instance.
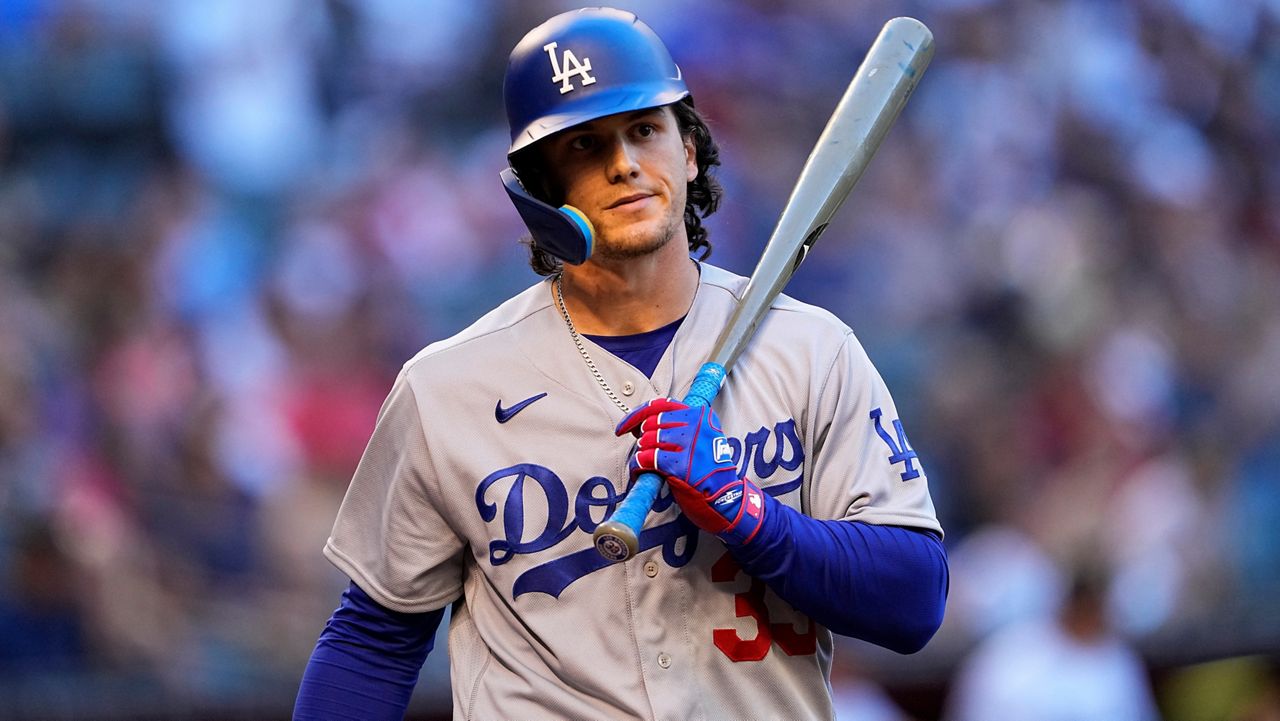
[581, 143]
[646, 130]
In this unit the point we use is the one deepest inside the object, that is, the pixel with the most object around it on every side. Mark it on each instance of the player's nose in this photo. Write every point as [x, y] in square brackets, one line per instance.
[622, 160]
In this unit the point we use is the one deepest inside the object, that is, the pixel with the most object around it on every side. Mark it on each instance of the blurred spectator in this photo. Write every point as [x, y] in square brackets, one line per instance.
[41, 620]
[1068, 666]
[854, 697]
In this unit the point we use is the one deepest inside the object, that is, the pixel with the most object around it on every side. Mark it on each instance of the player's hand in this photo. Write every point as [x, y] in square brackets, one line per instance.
[687, 448]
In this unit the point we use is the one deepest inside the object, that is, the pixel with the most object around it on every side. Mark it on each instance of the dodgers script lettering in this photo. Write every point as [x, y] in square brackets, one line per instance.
[550, 518]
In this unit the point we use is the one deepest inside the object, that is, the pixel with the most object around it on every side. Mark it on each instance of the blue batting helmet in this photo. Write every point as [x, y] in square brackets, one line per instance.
[582, 65]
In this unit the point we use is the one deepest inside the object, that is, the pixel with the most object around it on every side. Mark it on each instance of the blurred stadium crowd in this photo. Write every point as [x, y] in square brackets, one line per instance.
[224, 225]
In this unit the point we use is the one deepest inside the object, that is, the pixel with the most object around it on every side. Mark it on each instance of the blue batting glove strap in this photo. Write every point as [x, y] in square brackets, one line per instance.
[687, 448]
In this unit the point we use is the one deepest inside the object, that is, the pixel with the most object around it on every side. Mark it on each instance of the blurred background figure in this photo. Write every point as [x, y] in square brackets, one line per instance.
[856, 697]
[1068, 665]
[225, 225]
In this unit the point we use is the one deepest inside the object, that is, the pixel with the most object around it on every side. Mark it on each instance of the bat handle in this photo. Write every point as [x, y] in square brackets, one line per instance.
[618, 538]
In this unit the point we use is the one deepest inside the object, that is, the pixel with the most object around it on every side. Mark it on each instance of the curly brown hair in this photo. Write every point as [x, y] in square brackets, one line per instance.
[702, 193]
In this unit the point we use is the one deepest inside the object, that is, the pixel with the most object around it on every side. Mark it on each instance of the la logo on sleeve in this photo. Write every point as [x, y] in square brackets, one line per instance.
[901, 451]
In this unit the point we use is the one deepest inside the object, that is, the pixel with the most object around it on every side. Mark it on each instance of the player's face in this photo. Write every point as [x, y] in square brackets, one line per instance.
[628, 173]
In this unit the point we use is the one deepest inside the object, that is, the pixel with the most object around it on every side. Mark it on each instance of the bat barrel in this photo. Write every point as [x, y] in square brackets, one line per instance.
[870, 105]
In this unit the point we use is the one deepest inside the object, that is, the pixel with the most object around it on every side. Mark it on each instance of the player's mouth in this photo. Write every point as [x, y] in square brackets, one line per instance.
[630, 202]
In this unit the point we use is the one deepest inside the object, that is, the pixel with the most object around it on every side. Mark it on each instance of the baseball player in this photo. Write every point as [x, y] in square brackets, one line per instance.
[796, 510]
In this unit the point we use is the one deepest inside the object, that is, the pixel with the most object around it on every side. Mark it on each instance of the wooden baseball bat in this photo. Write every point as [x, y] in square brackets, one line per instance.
[870, 105]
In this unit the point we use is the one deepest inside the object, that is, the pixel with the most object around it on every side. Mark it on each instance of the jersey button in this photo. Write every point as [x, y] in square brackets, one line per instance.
[651, 569]
[664, 660]
[628, 388]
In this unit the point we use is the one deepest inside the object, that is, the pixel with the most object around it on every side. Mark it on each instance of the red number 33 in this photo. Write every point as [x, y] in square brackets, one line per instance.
[750, 604]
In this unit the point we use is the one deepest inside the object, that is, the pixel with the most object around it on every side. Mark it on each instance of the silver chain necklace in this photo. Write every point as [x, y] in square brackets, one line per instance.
[577, 340]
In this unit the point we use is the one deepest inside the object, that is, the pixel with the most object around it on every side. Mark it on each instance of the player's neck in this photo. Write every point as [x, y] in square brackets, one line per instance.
[631, 296]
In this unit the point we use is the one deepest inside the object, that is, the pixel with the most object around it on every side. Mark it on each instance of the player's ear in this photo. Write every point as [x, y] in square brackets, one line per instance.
[690, 159]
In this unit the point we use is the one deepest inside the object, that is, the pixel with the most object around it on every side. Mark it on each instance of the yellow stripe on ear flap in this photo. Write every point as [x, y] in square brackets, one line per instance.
[583, 223]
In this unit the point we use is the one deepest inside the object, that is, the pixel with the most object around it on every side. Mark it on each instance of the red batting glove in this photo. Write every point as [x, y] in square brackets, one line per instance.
[686, 447]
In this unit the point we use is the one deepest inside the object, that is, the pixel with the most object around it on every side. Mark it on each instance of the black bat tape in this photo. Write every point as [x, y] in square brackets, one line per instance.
[869, 107]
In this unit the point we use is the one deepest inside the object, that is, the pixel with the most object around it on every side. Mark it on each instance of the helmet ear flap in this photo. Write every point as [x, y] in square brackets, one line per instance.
[564, 232]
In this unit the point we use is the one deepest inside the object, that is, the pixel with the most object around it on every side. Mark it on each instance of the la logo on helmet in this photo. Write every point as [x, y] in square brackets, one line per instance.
[563, 70]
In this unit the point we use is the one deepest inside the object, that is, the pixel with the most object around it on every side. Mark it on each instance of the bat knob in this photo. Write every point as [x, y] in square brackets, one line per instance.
[616, 541]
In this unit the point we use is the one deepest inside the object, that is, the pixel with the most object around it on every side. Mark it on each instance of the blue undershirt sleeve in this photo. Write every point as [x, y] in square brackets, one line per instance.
[366, 662]
[883, 584]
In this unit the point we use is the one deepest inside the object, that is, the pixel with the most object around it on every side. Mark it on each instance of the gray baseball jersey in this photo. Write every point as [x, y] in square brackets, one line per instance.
[454, 499]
